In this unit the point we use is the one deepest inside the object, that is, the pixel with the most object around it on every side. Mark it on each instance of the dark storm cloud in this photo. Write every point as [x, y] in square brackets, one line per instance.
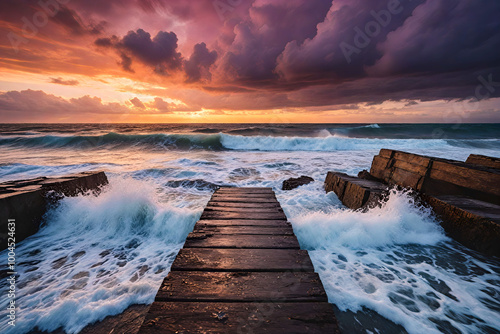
[434, 49]
[252, 46]
[314, 52]
[341, 47]
[200, 61]
[162, 49]
[159, 52]
[443, 36]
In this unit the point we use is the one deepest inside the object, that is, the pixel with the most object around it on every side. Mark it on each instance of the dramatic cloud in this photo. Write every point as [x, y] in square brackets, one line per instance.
[199, 62]
[231, 56]
[159, 52]
[438, 38]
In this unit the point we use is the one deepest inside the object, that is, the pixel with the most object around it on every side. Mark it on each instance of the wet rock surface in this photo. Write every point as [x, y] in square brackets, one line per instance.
[435, 176]
[26, 200]
[483, 160]
[293, 183]
[465, 195]
[355, 193]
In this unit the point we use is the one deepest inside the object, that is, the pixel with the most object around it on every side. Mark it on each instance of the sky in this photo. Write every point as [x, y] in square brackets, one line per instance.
[250, 61]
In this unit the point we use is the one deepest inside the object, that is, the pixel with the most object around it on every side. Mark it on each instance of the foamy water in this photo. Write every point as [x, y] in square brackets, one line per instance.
[95, 256]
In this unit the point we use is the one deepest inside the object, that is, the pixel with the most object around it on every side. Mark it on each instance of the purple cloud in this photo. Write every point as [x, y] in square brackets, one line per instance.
[199, 63]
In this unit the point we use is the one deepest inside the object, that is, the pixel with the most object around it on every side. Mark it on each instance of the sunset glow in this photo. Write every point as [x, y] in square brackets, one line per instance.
[249, 61]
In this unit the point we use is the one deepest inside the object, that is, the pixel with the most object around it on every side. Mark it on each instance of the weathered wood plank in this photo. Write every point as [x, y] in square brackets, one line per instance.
[236, 198]
[267, 230]
[241, 250]
[244, 210]
[241, 287]
[213, 259]
[265, 318]
[243, 215]
[244, 222]
[216, 204]
[210, 240]
[245, 195]
[245, 190]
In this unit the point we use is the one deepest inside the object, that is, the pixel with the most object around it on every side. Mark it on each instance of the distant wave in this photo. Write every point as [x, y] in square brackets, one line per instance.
[172, 141]
[222, 141]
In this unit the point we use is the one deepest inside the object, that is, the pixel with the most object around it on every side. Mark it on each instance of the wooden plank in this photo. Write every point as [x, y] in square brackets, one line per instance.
[235, 198]
[242, 205]
[244, 222]
[202, 228]
[241, 270]
[231, 192]
[222, 318]
[213, 259]
[241, 287]
[245, 190]
[210, 240]
[243, 215]
[242, 194]
[236, 209]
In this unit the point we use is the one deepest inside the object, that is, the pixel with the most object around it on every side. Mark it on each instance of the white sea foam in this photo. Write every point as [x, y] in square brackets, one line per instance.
[331, 143]
[97, 256]
[393, 259]
[397, 261]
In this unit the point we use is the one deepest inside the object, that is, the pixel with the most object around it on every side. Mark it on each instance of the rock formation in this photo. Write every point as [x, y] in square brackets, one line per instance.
[26, 201]
[465, 195]
[293, 183]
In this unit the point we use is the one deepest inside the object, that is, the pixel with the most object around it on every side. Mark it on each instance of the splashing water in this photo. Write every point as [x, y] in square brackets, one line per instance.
[96, 256]
[396, 260]
[388, 270]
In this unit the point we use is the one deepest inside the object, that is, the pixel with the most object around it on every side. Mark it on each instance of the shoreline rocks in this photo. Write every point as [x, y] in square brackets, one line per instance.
[355, 193]
[465, 195]
[436, 176]
[483, 160]
[293, 183]
[26, 201]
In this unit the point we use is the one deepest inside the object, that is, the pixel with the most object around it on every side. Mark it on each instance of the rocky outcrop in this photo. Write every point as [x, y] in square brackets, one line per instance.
[26, 201]
[355, 193]
[365, 175]
[465, 195]
[293, 183]
[474, 223]
[435, 176]
[483, 160]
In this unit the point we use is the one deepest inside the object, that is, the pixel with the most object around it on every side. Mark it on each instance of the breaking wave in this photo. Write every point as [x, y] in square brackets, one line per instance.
[222, 141]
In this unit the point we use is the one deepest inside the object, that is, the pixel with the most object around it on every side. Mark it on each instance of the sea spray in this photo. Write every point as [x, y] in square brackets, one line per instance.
[396, 260]
[96, 256]
[173, 182]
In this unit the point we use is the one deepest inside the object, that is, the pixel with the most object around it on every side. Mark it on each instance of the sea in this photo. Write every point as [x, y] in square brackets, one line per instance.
[391, 269]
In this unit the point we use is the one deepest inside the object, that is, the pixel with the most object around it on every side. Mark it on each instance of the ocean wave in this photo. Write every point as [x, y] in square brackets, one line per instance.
[325, 144]
[112, 139]
[223, 141]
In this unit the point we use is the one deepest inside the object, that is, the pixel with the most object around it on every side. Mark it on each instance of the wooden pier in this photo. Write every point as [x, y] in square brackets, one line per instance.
[241, 271]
